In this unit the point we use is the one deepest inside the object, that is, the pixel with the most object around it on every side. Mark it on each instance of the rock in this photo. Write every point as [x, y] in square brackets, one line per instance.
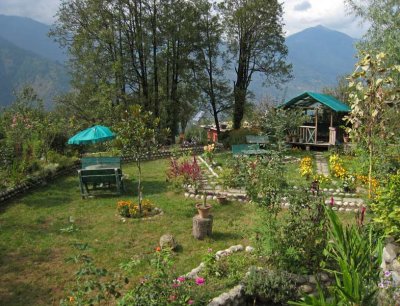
[186, 194]
[167, 241]
[396, 278]
[395, 265]
[389, 252]
[306, 288]
[323, 277]
[249, 249]
[312, 280]
[334, 208]
[236, 248]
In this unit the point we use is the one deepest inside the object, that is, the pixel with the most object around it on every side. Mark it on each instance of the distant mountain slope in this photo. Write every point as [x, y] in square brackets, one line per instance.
[319, 56]
[30, 35]
[19, 67]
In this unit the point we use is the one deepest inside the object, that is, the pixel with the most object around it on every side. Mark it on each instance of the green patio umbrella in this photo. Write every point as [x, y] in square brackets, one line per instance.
[94, 134]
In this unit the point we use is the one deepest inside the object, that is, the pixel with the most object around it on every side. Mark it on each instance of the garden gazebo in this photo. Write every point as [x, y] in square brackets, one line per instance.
[325, 114]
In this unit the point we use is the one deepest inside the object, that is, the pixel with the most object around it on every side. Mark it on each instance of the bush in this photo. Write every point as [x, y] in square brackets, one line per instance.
[386, 207]
[238, 136]
[296, 241]
[270, 286]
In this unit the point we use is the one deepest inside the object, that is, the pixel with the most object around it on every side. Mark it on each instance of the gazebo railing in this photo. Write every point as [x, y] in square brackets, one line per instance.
[308, 133]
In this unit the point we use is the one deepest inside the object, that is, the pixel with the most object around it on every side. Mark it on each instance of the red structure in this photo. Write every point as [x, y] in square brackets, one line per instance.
[212, 135]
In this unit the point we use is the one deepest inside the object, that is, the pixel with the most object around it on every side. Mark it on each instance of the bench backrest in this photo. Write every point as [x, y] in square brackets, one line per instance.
[257, 139]
[238, 149]
[100, 175]
[110, 162]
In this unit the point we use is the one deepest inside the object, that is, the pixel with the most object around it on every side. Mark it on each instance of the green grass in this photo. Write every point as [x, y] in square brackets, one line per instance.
[33, 249]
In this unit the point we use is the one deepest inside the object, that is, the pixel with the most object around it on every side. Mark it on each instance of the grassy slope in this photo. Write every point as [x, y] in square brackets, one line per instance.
[33, 250]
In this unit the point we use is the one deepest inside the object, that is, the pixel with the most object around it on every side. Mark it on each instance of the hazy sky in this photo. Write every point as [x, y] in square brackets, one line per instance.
[299, 14]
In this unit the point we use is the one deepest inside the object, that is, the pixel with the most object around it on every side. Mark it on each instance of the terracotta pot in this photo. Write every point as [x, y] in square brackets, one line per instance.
[203, 211]
[222, 199]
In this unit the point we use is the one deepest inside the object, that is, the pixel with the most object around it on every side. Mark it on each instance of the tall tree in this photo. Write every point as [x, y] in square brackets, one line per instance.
[256, 43]
[208, 71]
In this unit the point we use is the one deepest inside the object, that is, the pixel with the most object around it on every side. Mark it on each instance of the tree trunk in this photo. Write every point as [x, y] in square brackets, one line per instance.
[139, 184]
[240, 89]
[155, 63]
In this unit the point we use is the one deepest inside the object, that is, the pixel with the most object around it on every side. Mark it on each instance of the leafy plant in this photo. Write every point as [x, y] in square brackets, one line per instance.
[355, 257]
[270, 286]
[137, 135]
[386, 207]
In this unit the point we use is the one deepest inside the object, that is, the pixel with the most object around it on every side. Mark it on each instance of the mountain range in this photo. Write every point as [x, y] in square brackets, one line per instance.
[28, 56]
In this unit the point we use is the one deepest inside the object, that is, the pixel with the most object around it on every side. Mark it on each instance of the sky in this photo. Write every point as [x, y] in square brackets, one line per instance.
[298, 14]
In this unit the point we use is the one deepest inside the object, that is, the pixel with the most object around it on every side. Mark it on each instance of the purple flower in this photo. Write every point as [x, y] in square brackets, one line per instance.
[381, 285]
[209, 250]
[387, 273]
[200, 281]
[190, 302]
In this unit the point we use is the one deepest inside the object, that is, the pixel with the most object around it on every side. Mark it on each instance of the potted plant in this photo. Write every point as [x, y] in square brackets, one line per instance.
[203, 208]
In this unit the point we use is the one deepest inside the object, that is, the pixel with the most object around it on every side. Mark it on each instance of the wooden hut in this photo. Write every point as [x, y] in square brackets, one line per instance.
[325, 117]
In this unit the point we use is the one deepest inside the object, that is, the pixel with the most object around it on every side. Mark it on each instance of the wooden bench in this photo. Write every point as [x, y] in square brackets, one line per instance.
[100, 178]
[101, 162]
[260, 140]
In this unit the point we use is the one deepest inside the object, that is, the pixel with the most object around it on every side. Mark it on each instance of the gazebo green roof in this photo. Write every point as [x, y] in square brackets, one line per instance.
[309, 98]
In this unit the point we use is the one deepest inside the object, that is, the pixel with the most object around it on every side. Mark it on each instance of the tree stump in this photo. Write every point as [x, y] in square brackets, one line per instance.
[202, 227]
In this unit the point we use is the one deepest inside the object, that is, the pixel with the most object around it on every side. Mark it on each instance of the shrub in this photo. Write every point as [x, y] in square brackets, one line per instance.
[184, 171]
[386, 207]
[306, 167]
[295, 242]
[270, 286]
[238, 136]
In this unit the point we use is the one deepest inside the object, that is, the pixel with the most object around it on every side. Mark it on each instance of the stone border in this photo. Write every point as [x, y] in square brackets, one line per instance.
[34, 182]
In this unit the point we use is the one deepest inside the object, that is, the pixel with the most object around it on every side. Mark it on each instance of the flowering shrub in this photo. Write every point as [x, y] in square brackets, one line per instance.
[322, 179]
[209, 151]
[186, 171]
[363, 179]
[130, 209]
[306, 168]
[390, 291]
[336, 166]
[162, 287]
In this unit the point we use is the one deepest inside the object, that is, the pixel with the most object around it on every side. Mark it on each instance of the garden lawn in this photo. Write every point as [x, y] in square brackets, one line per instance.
[36, 236]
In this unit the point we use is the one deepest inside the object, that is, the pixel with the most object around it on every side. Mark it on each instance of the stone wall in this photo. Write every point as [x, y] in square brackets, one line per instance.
[34, 182]
[390, 262]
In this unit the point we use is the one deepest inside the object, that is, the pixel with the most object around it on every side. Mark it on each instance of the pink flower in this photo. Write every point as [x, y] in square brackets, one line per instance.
[180, 279]
[209, 250]
[200, 281]
[190, 302]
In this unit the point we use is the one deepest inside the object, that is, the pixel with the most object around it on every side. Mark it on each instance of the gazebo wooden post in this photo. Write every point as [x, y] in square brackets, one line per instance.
[316, 125]
[331, 119]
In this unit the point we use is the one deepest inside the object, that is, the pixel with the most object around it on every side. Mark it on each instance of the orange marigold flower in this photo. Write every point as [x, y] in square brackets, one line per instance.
[71, 299]
[158, 249]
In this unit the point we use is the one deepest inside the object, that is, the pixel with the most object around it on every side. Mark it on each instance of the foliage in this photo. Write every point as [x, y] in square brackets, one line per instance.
[270, 286]
[295, 242]
[255, 38]
[137, 135]
[209, 151]
[306, 167]
[355, 257]
[130, 209]
[264, 182]
[386, 209]
[161, 287]
[389, 291]
[93, 284]
[279, 123]
[184, 171]
[238, 136]
[371, 93]
[231, 268]
[383, 27]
